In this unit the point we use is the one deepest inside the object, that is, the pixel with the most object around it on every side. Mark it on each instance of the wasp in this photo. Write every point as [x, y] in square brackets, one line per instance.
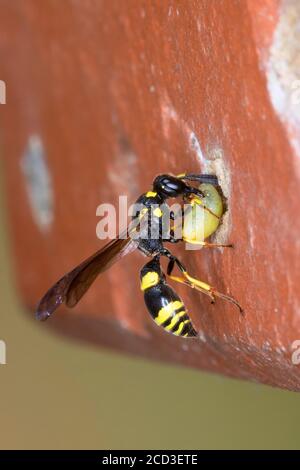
[163, 303]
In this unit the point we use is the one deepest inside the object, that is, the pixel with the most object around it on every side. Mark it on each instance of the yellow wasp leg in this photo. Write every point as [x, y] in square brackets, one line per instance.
[204, 288]
[213, 245]
[182, 280]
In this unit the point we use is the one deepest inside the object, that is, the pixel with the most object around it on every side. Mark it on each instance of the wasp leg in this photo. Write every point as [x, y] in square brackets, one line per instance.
[194, 283]
[209, 179]
[184, 280]
[215, 245]
[205, 289]
[173, 259]
[170, 267]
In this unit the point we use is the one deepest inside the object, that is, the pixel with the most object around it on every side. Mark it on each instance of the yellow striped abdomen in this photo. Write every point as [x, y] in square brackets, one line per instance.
[165, 306]
[174, 319]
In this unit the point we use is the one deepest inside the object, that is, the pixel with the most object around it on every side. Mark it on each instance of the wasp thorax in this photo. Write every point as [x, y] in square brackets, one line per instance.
[203, 215]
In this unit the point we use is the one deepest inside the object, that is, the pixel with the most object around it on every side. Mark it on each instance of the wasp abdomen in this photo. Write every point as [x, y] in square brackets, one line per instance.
[165, 306]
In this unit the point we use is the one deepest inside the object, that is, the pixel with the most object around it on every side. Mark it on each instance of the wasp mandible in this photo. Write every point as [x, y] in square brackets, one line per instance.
[162, 302]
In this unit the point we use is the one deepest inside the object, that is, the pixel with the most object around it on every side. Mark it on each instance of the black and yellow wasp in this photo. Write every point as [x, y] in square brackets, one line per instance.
[164, 305]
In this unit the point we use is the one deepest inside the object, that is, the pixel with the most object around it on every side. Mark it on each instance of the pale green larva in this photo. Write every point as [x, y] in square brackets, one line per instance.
[203, 217]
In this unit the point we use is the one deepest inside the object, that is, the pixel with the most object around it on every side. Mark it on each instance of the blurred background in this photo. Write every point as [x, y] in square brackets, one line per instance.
[58, 394]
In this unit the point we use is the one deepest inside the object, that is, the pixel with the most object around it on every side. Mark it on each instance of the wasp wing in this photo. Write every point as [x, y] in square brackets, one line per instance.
[98, 263]
[71, 287]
